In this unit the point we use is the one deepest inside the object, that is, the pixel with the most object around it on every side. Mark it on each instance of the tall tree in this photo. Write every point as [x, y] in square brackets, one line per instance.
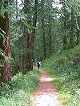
[35, 14]
[64, 19]
[4, 25]
[77, 18]
[50, 25]
[16, 9]
[30, 33]
[72, 28]
[43, 27]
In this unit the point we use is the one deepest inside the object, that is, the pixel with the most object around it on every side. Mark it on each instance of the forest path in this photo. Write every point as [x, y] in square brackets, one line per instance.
[47, 94]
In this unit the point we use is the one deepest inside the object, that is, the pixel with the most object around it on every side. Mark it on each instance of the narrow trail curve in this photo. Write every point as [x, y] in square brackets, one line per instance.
[46, 95]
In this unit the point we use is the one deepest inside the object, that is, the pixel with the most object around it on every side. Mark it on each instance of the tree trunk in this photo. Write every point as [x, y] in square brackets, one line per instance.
[77, 29]
[50, 26]
[30, 35]
[7, 50]
[16, 9]
[28, 56]
[29, 64]
[6, 75]
[34, 25]
[43, 29]
[72, 29]
[44, 39]
[78, 35]
[65, 45]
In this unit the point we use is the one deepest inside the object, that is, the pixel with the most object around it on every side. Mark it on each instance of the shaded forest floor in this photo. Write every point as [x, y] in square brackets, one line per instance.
[46, 94]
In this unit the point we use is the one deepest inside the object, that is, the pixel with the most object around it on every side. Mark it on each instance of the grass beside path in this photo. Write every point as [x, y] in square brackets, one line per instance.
[65, 69]
[18, 91]
[64, 94]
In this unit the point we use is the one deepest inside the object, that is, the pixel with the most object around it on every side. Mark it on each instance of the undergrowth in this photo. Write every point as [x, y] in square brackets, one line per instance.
[17, 92]
[65, 68]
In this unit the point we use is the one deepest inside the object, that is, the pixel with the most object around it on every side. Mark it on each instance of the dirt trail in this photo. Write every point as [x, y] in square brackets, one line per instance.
[46, 95]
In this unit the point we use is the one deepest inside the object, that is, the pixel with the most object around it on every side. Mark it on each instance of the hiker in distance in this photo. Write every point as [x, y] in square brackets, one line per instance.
[38, 64]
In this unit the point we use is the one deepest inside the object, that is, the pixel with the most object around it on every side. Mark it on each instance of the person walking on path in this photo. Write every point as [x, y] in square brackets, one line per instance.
[38, 65]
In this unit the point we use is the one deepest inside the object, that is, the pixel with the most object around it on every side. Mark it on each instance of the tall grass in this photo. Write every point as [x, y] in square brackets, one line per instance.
[17, 92]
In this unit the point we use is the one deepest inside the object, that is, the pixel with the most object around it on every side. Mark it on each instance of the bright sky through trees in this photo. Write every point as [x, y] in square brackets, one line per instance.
[55, 3]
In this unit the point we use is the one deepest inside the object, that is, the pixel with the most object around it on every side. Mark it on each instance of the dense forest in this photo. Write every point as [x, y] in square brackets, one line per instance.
[39, 30]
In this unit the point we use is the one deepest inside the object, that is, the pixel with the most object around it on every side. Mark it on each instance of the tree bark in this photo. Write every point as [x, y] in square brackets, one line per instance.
[72, 29]
[30, 35]
[43, 29]
[44, 39]
[64, 24]
[50, 26]
[16, 9]
[4, 24]
[34, 25]
[7, 50]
